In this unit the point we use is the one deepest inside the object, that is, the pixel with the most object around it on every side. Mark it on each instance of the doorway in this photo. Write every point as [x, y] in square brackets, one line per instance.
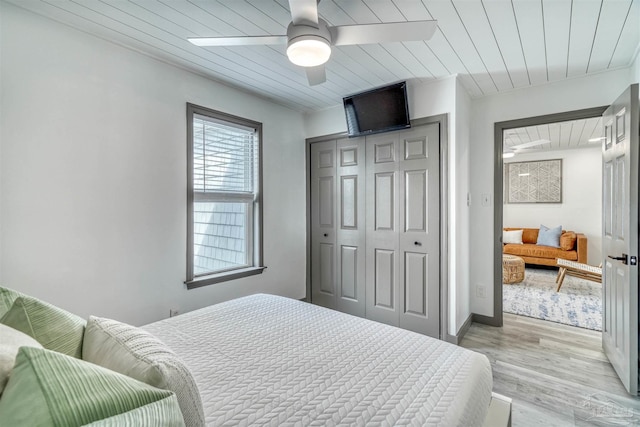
[499, 132]
[621, 159]
[553, 178]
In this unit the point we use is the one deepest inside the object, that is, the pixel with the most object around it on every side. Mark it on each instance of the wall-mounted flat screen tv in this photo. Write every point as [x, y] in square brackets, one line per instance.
[379, 110]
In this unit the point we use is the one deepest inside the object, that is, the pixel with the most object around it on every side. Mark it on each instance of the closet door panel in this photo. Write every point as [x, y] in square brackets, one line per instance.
[349, 272]
[384, 279]
[415, 201]
[350, 232]
[323, 223]
[382, 228]
[419, 236]
[415, 275]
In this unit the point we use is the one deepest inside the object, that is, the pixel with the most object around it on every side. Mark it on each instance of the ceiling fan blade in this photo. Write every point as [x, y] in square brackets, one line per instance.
[381, 33]
[316, 75]
[304, 11]
[238, 41]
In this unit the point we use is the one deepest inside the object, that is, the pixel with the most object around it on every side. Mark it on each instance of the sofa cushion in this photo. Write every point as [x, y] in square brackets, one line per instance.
[138, 354]
[53, 389]
[530, 235]
[549, 236]
[12, 340]
[512, 236]
[536, 251]
[568, 241]
[53, 327]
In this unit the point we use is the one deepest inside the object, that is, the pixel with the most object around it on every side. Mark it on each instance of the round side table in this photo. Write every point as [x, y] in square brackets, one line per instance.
[512, 269]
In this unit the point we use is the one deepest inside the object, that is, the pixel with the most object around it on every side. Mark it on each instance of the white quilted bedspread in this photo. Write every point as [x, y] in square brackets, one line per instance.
[268, 360]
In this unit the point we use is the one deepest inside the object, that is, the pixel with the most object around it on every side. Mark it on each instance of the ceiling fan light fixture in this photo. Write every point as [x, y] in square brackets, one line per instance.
[309, 51]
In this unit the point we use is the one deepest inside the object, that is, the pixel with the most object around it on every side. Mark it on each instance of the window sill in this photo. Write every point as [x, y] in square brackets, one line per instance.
[223, 277]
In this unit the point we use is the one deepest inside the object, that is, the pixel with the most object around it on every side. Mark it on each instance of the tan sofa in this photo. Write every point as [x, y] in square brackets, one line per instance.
[573, 246]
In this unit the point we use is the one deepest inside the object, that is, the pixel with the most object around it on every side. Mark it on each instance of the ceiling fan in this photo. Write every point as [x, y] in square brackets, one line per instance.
[309, 38]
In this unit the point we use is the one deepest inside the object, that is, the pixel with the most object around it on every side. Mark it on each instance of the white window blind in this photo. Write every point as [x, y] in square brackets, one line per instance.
[224, 210]
[224, 156]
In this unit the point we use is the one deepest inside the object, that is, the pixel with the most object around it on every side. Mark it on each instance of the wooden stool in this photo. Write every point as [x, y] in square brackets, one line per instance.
[512, 269]
[577, 269]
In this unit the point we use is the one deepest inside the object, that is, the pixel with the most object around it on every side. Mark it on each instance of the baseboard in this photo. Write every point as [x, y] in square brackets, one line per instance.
[455, 339]
[486, 320]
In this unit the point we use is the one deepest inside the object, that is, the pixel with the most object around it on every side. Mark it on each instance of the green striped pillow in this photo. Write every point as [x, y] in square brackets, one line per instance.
[53, 327]
[7, 297]
[50, 388]
[163, 413]
[138, 354]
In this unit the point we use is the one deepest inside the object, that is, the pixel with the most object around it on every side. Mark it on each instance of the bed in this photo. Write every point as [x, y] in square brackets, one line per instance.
[269, 360]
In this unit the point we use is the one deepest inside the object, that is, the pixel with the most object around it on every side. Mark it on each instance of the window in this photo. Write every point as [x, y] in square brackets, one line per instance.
[224, 198]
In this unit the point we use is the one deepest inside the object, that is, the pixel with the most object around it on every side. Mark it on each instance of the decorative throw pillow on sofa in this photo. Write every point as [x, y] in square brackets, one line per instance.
[10, 341]
[47, 388]
[56, 329]
[568, 240]
[549, 236]
[513, 236]
[138, 354]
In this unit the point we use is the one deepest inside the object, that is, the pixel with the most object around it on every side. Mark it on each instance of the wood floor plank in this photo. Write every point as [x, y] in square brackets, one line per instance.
[557, 375]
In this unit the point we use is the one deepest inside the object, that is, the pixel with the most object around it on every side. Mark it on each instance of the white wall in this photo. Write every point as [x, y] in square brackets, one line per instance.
[574, 94]
[581, 207]
[444, 96]
[93, 176]
[459, 224]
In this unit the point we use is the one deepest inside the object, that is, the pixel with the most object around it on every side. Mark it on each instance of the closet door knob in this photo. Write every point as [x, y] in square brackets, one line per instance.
[325, 235]
[417, 243]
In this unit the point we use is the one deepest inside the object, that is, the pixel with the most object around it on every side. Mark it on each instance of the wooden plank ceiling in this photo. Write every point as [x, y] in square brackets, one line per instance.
[494, 45]
[583, 133]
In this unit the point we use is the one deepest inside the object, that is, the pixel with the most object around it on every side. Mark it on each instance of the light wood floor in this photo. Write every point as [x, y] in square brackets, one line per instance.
[557, 375]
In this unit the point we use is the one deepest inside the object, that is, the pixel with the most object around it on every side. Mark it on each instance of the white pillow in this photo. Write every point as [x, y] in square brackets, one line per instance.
[138, 354]
[514, 236]
[10, 341]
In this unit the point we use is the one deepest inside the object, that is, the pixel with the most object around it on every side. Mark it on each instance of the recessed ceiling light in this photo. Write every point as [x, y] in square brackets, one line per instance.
[508, 155]
[597, 139]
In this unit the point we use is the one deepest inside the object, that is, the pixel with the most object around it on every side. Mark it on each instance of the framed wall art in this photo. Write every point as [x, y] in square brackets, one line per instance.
[534, 182]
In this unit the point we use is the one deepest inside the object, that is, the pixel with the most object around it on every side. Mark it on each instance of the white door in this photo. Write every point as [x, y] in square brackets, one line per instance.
[620, 237]
[350, 231]
[338, 225]
[323, 223]
[403, 234]
[419, 213]
[383, 245]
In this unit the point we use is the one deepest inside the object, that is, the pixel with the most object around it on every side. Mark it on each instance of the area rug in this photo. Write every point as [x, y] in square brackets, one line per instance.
[579, 302]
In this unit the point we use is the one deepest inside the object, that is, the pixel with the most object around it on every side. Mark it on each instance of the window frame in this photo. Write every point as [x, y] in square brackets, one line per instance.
[254, 227]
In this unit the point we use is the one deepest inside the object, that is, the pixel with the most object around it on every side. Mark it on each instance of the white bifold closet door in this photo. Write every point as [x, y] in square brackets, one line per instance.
[403, 229]
[338, 225]
[375, 227]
